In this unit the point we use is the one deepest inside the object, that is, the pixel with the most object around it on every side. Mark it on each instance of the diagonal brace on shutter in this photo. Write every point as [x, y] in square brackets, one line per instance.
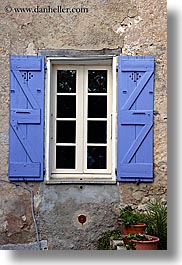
[132, 117]
[22, 138]
[136, 144]
[138, 89]
[26, 90]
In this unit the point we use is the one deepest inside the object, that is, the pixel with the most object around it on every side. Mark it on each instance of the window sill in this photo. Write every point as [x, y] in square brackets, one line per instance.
[83, 181]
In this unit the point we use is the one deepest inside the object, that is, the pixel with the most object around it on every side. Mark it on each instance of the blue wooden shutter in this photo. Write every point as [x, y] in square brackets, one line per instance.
[135, 118]
[26, 133]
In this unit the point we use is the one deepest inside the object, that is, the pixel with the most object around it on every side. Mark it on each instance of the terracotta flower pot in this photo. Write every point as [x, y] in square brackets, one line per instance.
[151, 244]
[133, 229]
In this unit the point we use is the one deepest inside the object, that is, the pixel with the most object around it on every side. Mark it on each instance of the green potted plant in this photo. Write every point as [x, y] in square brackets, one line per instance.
[141, 241]
[104, 242]
[156, 220]
[131, 221]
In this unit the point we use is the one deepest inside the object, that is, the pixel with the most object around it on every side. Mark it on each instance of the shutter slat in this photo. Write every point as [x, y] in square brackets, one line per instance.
[26, 136]
[135, 118]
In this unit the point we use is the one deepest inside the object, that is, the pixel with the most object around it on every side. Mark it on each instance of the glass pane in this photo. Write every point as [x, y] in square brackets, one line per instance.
[66, 81]
[97, 106]
[66, 106]
[97, 81]
[66, 131]
[97, 132]
[96, 157]
[65, 157]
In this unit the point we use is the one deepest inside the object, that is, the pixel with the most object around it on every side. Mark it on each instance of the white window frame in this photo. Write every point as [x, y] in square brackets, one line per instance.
[79, 109]
[91, 178]
[107, 173]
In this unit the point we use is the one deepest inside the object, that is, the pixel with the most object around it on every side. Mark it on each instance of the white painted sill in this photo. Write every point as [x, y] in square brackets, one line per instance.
[81, 181]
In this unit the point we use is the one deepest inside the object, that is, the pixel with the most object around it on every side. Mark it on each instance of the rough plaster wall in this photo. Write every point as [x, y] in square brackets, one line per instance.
[59, 210]
[139, 28]
[16, 222]
[144, 33]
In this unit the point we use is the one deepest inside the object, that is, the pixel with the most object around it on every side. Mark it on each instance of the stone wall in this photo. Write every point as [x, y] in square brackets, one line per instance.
[139, 28]
[145, 34]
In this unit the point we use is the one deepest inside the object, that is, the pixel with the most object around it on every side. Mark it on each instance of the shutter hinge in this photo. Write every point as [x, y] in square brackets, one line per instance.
[116, 171]
[45, 68]
[44, 171]
[116, 68]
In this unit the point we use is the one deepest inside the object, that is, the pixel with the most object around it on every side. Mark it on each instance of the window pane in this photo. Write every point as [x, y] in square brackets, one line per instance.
[97, 106]
[96, 157]
[66, 131]
[97, 81]
[65, 157]
[66, 106]
[97, 132]
[66, 81]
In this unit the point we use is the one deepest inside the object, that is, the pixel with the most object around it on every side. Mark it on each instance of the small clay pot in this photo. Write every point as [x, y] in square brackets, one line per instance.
[151, 244]
[133, 229]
